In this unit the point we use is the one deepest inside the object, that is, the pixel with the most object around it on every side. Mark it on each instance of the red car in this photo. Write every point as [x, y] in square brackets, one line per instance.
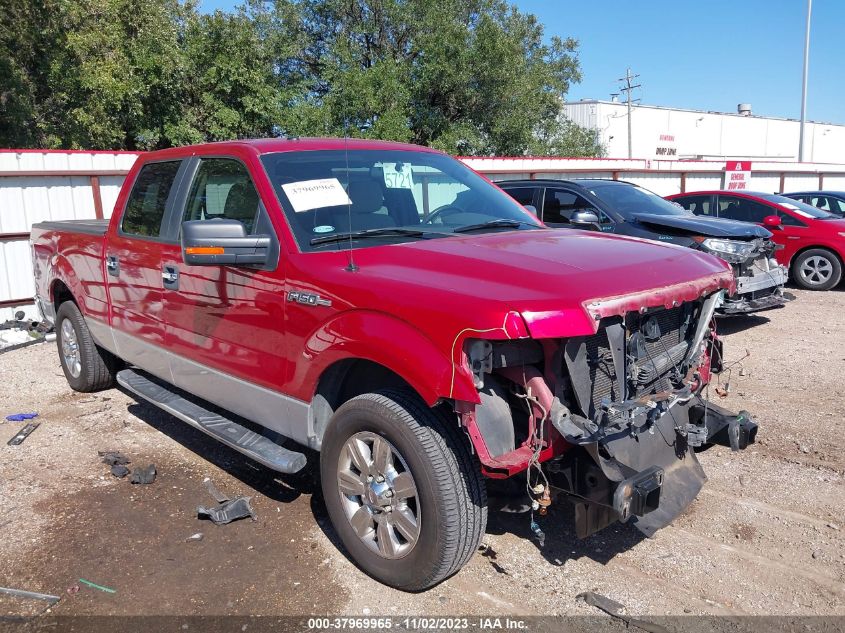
[813, 240]
[334, 295]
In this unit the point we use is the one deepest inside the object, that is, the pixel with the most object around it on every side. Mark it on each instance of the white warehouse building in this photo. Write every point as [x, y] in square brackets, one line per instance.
[670, 133]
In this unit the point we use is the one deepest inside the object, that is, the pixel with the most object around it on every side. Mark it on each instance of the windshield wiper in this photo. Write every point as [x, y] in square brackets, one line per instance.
[366, 233]
[493, 224]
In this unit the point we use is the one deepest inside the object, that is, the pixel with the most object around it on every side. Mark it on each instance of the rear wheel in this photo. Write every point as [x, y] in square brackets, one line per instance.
[402, 489]
[87, 367]
[817, 269]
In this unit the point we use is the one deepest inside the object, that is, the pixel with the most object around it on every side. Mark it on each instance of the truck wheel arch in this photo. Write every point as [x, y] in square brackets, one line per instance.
[59, 293]
[386, 342]
[345, 379]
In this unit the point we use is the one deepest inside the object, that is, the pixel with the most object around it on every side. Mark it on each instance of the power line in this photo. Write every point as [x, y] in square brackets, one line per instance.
[627, 88]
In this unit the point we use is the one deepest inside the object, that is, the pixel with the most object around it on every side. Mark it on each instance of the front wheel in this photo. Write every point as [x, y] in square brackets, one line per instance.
[402, 489]
[817, 269]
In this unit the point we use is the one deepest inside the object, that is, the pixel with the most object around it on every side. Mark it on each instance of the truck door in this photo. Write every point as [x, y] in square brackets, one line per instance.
[133, 267]
[225, 324]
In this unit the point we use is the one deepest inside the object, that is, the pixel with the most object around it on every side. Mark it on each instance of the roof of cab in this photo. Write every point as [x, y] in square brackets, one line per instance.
[272, 145]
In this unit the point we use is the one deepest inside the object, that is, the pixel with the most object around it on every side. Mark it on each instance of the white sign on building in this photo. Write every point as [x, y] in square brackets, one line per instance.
[666, 148]
[737, 174]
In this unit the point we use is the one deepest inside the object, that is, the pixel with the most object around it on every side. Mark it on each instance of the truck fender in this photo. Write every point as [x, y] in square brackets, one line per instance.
[390, 342]
[62, 271]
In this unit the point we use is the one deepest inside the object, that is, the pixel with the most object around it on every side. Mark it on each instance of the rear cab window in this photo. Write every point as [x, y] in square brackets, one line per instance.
[145, 208]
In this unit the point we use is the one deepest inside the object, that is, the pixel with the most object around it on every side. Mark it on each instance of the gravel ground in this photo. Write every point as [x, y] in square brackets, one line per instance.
[766, 535]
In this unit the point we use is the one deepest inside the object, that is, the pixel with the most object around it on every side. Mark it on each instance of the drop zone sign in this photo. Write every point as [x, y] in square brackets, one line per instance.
[666, 148]
[737, 175]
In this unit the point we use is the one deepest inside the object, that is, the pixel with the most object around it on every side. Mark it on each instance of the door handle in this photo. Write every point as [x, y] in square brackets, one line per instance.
[170, 277]
[112, 265]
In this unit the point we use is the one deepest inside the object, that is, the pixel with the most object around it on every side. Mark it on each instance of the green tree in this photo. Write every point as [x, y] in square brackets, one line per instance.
[467, 77]
[473, 77]
[230, 87]
[30, 30]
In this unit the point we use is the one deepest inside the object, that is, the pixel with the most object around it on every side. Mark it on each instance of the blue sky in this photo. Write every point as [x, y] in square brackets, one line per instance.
[703, 55]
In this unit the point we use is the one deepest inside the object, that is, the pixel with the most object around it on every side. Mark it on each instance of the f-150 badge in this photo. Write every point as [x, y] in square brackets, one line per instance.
[308, 299]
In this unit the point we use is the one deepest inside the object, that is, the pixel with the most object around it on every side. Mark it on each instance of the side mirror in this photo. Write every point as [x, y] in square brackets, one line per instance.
[531, 208]
[221, 242]
[773, 221]
[584, 219]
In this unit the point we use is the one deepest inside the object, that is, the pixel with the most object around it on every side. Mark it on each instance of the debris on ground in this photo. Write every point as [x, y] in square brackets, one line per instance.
[117, 461]
[143, 475]
[119, 470]
[96, 586]
[194, 537]
[73, 589]
[228, 509]
[20, 333]
[114, 457]
[237, 508]
[617, 610]
[218, 496]
[32, 595]
[24, 433]
[20, 417]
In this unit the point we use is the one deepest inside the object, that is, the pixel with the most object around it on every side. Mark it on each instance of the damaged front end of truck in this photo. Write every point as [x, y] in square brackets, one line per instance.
[759, 278]
[610, 419]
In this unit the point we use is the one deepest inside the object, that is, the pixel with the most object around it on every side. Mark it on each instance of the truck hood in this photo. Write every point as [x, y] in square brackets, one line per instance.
[705, 225]
[560, 281]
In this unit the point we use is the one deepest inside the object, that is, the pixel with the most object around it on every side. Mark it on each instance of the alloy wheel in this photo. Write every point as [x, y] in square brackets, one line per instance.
[70, 349]
[816, 270]
[378, 495]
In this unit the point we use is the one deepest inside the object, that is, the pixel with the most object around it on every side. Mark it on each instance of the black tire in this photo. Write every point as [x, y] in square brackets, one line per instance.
[817, 269]
[451, 495]
[96, 367]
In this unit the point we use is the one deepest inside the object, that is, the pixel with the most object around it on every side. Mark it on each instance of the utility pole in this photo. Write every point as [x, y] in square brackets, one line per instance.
[627, 88]
[804, 83]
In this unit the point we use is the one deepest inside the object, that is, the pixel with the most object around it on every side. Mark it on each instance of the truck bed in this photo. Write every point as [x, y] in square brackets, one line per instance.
[91, 227]
[70, 251]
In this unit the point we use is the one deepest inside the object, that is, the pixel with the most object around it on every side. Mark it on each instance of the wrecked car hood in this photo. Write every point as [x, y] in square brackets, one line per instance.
[559, 281]
[705, 225]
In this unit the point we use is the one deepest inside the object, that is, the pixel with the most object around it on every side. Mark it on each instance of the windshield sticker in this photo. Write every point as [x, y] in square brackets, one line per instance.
[323, 228]
[398, 176]
[315, 194]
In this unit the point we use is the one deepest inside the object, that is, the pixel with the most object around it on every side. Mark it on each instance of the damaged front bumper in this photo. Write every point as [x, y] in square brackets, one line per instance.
[648, 474]
[759, 286]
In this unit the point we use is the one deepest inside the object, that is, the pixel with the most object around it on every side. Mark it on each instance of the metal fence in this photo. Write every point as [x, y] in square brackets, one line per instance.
[38, 185]
[44, 185]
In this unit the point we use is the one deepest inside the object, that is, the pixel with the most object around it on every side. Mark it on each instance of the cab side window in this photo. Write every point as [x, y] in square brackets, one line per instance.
[699, 205]
[222, 189]
[148, 199]
[523, 195]
[743, 209]
[560, 204]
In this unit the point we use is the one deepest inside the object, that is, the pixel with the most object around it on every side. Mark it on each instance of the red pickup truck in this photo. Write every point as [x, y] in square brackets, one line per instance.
[331, 293]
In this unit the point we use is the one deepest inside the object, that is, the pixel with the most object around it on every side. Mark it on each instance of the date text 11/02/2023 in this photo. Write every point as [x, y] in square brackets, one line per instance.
[480, 623]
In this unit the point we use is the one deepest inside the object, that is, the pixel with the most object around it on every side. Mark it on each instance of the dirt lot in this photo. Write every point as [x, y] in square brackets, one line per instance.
[766, 536]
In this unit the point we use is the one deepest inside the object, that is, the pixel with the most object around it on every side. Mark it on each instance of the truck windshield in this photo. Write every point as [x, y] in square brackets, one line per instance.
[385, 196]
[627, 199]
